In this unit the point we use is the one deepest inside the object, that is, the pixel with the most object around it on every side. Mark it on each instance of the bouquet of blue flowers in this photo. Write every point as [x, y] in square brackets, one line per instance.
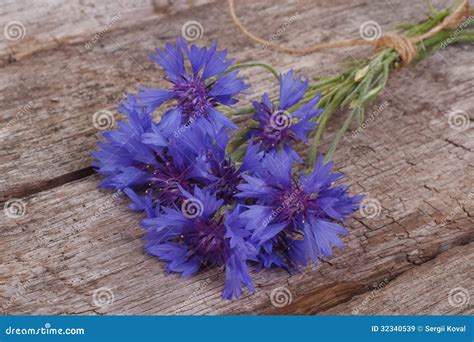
[241, 198]
[215, 195]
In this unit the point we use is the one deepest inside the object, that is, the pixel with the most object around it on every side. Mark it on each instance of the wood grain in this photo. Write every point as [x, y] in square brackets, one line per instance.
[75, 239]
[438, 287]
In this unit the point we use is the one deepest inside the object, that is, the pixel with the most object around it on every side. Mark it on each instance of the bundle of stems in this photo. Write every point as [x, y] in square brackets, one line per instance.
[359, 86]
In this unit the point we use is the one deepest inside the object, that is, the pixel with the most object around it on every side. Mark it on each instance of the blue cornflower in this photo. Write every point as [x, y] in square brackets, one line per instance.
[220, 172]
[139, 156]
[197, 233]
[196, 93]
[295, 220]
[200, 159]
[278, 128]
[120, 156]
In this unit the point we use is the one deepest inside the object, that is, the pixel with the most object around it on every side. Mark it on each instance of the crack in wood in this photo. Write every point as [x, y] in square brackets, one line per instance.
[29, 190]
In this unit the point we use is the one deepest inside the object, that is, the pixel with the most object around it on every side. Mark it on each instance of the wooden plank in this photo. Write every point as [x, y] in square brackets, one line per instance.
[443, 286]
[55, 23]
[75, 239]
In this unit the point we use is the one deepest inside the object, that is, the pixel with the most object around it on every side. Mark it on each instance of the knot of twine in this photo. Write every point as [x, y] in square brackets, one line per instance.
[405, 46]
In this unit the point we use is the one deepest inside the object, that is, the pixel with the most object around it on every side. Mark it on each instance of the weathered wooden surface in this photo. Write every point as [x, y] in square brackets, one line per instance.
[450, 272]
[75, 238]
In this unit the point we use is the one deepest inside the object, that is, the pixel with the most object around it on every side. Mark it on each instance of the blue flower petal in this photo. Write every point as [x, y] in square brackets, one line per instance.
[291, 90]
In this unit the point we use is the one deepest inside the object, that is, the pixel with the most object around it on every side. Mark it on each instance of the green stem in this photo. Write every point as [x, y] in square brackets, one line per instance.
[242, 111]
[252, 65]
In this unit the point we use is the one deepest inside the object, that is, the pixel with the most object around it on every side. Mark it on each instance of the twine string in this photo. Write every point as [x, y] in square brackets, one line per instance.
[405, 46]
